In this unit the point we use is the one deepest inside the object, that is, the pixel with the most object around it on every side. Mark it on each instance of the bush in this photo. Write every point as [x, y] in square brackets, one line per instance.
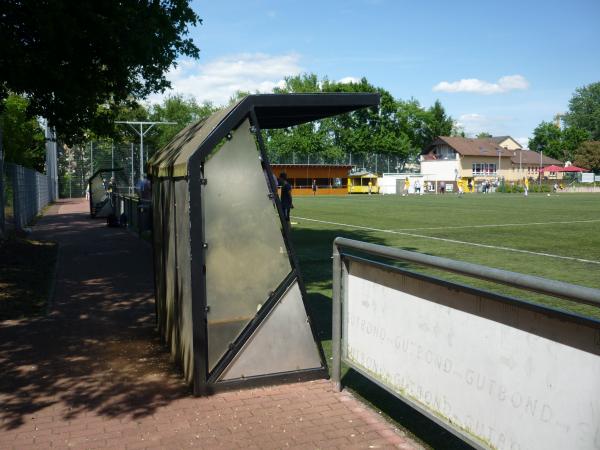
[540, 188]
[510, 188]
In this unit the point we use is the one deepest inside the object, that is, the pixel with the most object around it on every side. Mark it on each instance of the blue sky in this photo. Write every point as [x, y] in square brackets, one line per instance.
[501, 67]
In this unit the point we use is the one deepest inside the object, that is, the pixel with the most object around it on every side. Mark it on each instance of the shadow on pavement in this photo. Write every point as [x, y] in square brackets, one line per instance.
[97, 350]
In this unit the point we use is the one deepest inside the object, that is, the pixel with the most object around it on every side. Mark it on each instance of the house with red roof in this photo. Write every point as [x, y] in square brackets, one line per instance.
[456, 160]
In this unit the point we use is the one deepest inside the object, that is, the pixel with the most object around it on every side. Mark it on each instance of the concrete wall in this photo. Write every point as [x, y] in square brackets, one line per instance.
[441, 170]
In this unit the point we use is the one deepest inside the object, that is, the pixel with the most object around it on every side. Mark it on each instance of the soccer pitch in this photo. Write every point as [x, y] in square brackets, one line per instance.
[556, 236]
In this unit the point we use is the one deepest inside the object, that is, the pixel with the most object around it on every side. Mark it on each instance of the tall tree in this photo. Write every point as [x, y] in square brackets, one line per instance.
[23, 137]
[68, 57]
[572, 138]
[484, 135]
[547, 139]
[180, 110]
[438, 122]
[557, 143]
[584, 110]
[588, 156]
[396, 128]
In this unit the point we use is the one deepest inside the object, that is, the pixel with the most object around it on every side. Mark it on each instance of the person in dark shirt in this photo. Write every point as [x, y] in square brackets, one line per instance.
[286, 196]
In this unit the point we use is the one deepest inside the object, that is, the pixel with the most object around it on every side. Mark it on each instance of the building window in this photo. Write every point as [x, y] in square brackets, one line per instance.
[444, 152]
[485, 169]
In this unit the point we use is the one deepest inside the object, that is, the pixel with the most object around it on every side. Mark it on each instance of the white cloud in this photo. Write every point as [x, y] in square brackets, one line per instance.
[497, 125]
[348, 80]
[476, 86]
[218, 80]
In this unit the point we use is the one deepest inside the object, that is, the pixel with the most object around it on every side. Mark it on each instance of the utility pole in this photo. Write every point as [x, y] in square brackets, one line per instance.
[141, 132]
[541, 173]
[498, 171]
[131, 187]
[520, 168]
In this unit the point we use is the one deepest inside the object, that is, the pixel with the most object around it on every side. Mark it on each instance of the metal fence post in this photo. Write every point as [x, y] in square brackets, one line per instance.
[336, 326]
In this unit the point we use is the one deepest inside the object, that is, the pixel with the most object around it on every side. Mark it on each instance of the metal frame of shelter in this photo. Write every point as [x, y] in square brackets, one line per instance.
[220, 243]
[94, 193]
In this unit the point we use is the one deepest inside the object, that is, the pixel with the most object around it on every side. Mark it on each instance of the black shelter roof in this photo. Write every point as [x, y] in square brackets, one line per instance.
[270, 111]
[286, 110]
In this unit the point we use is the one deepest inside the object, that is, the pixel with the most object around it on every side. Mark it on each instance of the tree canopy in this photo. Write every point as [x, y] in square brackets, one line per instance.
[23, 137]
[588, 156]
[584, 110]
[556, 143]
[72, 58]
[396, 128]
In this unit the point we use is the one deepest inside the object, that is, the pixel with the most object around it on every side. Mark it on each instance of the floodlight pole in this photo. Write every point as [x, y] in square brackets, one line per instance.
[499, 152]
[541, 173]
[520, 168]
[141, 133]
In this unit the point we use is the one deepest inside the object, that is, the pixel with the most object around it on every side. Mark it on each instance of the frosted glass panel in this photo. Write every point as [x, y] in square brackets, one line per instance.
[246, 258]
[282, 343]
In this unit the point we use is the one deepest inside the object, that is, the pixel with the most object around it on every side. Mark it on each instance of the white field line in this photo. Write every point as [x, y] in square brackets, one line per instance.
[454, 241]
[501, 225]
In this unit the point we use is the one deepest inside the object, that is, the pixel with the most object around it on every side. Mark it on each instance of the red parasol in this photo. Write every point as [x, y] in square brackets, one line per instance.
[574, 169]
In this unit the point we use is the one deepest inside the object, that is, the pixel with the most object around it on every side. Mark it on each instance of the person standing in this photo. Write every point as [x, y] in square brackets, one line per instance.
[417, 187]
[406, 185]
[370, 187]
[286, 196]
[526, 186]
[314, 187]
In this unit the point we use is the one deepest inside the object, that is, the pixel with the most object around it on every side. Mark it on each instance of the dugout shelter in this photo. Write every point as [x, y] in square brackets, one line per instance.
[100, 186]
[230, 301]
[330, 178]
[358, 183]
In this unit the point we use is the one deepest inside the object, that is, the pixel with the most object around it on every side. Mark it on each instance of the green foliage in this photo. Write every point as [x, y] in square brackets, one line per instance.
[177, 109]
[544, 187]
[508, 188]
[237, 96]
[588, 156]
[22, 138]
[484, 135]
[396, 128]
[584, 110]
[571, 139]
[70, 58]
[438, 122]
[547, 139]
[557, 143]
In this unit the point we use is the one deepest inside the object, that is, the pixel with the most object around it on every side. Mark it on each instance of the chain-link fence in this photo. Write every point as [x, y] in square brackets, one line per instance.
[371, 162]
[78, 163]
[25, 195]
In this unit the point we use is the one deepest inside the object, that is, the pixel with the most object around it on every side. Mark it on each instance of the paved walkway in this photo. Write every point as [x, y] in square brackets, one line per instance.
[92, 374]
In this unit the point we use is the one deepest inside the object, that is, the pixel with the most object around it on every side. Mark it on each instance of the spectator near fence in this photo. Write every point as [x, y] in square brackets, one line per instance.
[286, 196]
[143, 188]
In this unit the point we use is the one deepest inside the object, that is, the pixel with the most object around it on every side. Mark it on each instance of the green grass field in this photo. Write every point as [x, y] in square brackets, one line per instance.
[556, 237]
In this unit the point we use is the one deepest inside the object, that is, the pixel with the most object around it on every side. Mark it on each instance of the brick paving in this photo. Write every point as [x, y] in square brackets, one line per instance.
[93, 374]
